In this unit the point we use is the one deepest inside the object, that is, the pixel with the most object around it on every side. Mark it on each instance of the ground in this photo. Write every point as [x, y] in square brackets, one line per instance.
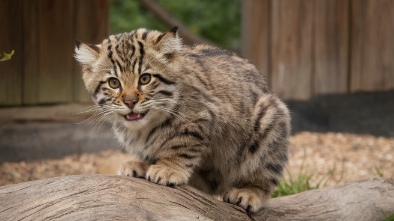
[336, 139]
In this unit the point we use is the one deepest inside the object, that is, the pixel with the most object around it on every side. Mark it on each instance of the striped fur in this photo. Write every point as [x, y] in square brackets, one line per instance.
[209, 119]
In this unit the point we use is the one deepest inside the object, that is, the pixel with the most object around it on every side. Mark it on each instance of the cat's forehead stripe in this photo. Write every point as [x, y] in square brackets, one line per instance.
[135, 61]
[144, 35]
[110, 56]
[123, 51]
[133, 50]
[119, 52]
[118, 69]
[142, 52]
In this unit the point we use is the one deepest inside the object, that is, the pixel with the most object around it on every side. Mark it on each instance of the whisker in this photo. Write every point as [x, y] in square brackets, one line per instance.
[178, 114]
[103, 113]
[87, 109]
[96, 113]
[103, 118]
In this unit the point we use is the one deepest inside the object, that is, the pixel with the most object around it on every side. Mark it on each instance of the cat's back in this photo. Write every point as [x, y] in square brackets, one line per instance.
[222, 64]
[222, 74]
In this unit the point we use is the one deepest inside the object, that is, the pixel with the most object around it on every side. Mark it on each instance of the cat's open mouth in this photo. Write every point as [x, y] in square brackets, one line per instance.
[134, 116]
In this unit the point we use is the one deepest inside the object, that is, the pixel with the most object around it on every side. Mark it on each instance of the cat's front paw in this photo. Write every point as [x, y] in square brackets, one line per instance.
[251, 199]
[133, 168]
[165, 175]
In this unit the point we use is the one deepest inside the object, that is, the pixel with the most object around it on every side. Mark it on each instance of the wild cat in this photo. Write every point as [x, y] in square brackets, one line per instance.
[196, 115]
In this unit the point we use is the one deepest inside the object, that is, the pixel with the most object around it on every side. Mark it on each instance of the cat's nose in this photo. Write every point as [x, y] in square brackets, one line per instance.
[130, 101]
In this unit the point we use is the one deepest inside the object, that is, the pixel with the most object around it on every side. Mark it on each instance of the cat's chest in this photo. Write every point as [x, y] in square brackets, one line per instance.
[135, 142]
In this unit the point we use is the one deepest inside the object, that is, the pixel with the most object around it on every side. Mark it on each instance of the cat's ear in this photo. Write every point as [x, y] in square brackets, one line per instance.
[169, 42]
[86, 54]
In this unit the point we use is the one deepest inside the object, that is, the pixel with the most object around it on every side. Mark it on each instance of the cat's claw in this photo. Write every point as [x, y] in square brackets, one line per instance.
[133, 168]
[165, 175]
[250, 199]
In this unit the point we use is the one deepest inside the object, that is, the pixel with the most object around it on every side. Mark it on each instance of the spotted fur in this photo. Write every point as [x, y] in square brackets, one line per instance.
[206, 118]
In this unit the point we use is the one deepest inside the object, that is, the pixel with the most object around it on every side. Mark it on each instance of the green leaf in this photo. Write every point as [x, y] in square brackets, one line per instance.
[7, 56]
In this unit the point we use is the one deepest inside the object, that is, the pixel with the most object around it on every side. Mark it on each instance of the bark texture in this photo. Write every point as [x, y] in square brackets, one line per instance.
[106, 197]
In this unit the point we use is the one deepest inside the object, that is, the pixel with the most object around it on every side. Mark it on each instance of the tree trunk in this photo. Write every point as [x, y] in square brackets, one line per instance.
[105, 197]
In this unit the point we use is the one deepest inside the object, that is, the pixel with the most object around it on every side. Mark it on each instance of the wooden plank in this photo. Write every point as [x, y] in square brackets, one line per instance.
[291, 53]
[91, 26]
[55, 51]
[255, 33]
[372, 45]
[11, 39]
[331, 50]
[30, 52]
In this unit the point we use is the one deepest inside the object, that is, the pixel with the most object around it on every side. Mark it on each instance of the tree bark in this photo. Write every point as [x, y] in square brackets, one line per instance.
[106, 197]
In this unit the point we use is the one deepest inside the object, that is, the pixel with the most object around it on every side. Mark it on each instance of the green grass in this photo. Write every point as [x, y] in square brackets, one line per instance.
[390, 218]
[301, 183]
[378, 172]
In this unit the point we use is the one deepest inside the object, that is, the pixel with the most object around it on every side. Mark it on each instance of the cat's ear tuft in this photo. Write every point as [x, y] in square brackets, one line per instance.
[77, 43]
[169, 42]
[86, 54]
[174, 30]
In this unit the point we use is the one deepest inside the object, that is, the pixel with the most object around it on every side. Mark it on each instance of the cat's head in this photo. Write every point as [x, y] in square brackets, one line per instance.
[130, 75]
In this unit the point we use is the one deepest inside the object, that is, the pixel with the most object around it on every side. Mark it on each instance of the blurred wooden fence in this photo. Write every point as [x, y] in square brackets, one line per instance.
[304, 47]
[42, 33]
[311, 47]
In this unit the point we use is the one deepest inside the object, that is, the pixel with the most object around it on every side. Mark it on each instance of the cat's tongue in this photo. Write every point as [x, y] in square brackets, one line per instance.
[134, 116]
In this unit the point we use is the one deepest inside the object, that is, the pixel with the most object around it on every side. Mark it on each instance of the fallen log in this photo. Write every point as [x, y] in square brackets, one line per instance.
[107, 197]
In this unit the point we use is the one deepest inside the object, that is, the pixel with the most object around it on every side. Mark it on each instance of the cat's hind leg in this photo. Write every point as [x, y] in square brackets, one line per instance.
[263, 160]
[251, 199]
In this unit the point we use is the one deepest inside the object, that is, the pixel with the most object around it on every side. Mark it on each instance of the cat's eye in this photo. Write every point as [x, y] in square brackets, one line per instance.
[114, 83]
[145, 79]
